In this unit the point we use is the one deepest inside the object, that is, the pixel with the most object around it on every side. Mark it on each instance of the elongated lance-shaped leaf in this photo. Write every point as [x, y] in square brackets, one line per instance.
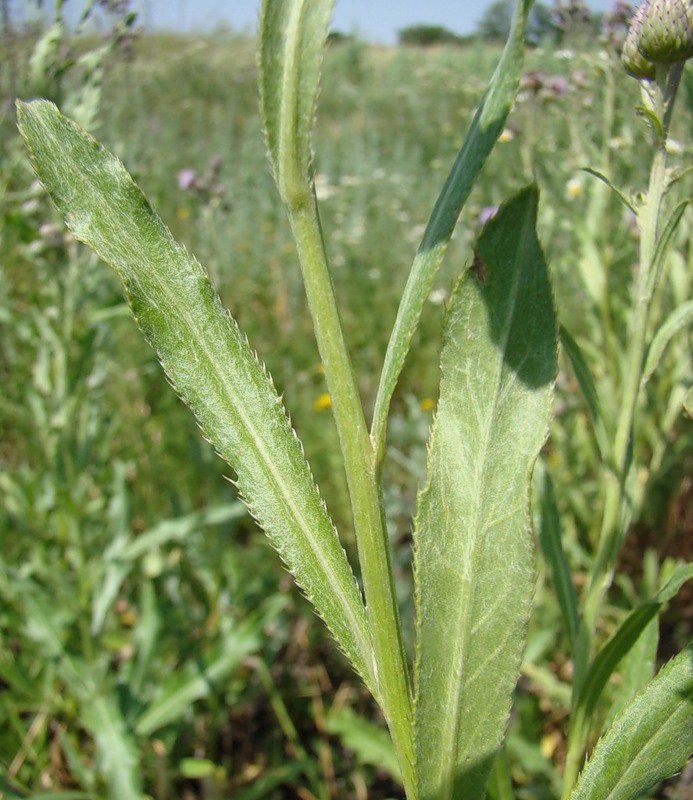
[207, 360]
[620, 643]
[589, 390]
[474, 564]
[675, 322]
[292, 34]
[663, 242]
[556, 561]
[648, 742]
[486, 127]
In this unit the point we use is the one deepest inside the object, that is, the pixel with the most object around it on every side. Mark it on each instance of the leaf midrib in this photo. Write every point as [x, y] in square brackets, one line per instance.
[268, 463]
[465, 608]
[649, 744]
[93, 190]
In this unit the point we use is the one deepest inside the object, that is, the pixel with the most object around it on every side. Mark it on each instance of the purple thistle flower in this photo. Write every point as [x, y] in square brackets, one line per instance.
[486, 213]
[186, 178]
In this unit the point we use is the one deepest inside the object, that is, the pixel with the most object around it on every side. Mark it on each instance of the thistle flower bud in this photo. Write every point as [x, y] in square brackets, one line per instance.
[633, 61]
[665, 30]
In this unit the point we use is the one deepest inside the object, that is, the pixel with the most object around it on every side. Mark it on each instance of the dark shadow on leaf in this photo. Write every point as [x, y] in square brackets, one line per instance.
[469, 780]
[517, 290]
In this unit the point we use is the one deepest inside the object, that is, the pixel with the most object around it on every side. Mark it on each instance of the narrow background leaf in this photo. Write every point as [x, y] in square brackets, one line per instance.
[370, 742]
[556, 561]
[676, 321]
[487, 125]
[650, 741]
[589, 391]
[621, 642]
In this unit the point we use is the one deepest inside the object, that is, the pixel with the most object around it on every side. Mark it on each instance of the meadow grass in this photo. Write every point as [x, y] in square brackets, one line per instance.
[94, 444]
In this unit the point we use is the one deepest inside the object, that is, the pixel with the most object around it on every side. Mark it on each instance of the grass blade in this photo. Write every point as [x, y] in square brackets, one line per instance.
[196, 679]
[626, 635]
[589, 391]
[486, 127]
[648, 742]
[117, 755]
[369, 741]
[207, 360]
[552, 548]
[473, 550]
[676, 321]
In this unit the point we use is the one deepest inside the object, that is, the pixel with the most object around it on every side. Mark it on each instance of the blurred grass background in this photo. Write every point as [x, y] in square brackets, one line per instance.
[149, 639]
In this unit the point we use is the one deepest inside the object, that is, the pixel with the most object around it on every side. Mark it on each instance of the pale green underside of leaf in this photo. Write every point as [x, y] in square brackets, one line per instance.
[290, 58]
[474, 563]
[207, 360]
[648, 742]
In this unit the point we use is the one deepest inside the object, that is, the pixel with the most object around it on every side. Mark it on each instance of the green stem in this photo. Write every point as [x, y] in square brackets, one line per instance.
[391, 672]
[612, 530]
[616, 499]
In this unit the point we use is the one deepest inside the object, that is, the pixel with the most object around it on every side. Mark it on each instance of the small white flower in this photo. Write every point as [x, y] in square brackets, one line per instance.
[674, 148]
[323, 189]
[438, 297]
[573, 188]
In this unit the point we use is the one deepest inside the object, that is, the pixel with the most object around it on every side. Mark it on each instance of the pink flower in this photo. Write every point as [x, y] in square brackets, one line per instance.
[186, 178]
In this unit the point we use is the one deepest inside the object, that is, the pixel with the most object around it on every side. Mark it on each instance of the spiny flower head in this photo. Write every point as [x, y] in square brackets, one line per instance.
[664, 30]
[634, 62]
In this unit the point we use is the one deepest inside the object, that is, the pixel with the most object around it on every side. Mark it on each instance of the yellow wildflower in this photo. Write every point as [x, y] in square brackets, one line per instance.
[322, 401]
[426, 404]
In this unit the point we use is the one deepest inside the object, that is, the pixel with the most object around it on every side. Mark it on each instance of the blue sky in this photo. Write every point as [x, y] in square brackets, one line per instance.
[376, 20]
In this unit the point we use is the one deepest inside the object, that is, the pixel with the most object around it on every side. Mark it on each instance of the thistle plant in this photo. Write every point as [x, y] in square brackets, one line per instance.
[473, 567]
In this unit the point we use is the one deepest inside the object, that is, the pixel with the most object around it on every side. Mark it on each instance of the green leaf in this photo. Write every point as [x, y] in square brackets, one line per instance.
[500, 785]
[589, 391]
[207, 360]
[663, 241]
[625, 637]
[197, 768]
[370, 742]
[486, 127]
[195, 680]
[552, 548]
[117, 757]
[293, 33]
[648, 742]
[474, 564]
[635, 670]
[120, 556]
[178, 529]
[676, 321]
[621, 196]
[688, 402]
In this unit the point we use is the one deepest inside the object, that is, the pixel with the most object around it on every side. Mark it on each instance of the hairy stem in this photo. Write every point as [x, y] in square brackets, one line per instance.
[617, 501]
[392, 674]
